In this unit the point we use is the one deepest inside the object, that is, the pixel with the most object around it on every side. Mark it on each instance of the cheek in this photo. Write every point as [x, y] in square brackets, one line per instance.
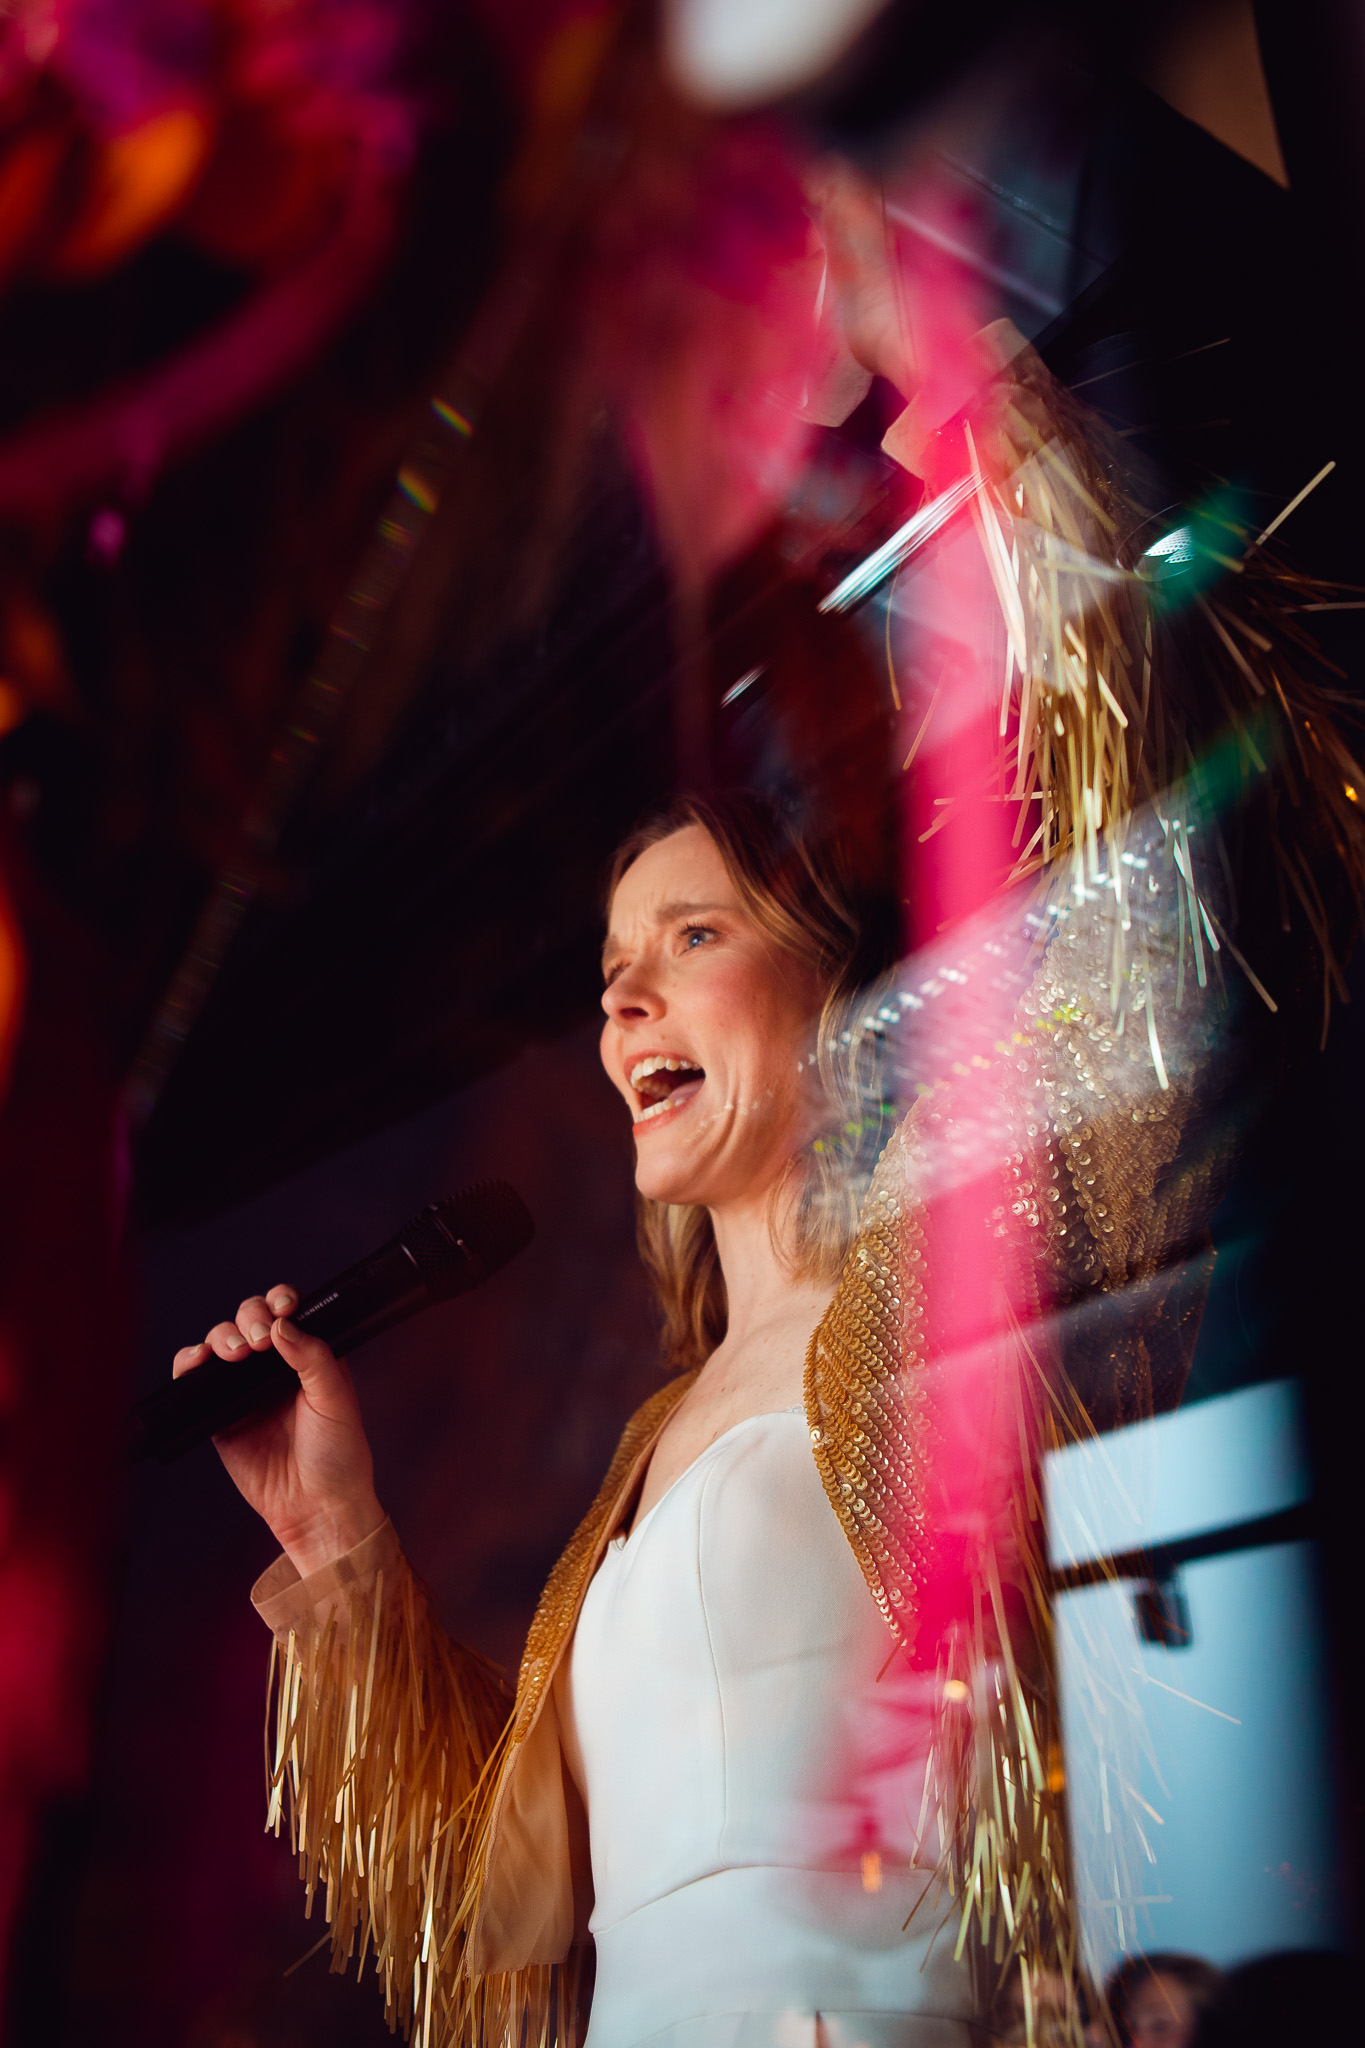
[788, 1025]
[776, 1010]
[777, 1038]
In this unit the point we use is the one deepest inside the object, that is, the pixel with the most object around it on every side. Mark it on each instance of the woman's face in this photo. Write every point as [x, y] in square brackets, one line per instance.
[707, 1025]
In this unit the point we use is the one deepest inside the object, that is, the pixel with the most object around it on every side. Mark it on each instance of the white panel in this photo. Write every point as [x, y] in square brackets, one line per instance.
[1199, 1779]
[1203, 1468]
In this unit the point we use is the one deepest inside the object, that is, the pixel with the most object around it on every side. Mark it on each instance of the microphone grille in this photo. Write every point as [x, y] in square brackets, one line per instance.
[463, 1240]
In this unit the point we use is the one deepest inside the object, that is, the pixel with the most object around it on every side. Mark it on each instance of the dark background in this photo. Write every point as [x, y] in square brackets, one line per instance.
[407, 1001]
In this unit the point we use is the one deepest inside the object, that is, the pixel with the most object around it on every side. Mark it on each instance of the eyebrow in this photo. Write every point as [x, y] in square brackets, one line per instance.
[668, 913]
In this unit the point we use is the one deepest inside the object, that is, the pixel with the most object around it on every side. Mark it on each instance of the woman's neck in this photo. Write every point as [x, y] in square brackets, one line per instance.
[757, 1368]
[751, 1238]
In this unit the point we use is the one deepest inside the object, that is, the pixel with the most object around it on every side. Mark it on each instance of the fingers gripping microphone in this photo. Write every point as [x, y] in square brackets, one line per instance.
[451, 1247]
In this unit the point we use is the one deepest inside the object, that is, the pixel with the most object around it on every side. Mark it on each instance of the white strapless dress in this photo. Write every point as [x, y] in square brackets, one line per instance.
[751, 1756]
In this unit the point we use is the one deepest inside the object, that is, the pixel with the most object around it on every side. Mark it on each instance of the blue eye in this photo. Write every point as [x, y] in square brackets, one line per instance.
[696, 933]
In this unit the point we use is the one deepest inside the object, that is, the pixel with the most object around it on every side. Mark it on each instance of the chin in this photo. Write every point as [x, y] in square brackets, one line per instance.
[668, 1169]
[668, 1181]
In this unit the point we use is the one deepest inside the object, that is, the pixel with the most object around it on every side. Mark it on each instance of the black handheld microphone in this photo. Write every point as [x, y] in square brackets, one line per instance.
[451, 1247]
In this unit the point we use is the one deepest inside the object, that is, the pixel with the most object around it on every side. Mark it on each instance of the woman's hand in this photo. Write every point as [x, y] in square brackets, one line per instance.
[305, 1468]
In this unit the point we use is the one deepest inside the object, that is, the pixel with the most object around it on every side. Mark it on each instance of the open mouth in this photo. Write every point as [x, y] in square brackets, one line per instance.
[662, 1083]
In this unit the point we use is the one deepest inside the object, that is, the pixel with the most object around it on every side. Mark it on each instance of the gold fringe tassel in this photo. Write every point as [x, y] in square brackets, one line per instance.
[382, 1740]
[1096, 716]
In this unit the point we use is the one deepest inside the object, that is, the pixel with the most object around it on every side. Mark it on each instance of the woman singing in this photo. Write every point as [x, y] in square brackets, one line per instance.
[798, 1636]
[708, 1697]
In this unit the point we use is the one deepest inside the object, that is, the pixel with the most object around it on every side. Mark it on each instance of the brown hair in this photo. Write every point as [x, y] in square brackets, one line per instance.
[800, 896]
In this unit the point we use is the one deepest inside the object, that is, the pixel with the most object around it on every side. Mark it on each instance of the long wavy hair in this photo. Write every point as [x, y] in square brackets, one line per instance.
[801, 896]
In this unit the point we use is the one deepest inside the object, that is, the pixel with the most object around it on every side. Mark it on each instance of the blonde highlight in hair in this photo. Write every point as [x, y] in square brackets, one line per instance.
[800, 897]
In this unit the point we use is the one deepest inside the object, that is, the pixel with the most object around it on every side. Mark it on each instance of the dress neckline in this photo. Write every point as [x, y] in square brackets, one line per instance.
[623, 1538]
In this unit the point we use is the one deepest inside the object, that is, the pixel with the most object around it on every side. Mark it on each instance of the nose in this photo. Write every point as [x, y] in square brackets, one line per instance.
[632, 997]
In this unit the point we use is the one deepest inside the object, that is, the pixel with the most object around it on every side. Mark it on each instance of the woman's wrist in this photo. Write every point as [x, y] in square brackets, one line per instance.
[329, 1534]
